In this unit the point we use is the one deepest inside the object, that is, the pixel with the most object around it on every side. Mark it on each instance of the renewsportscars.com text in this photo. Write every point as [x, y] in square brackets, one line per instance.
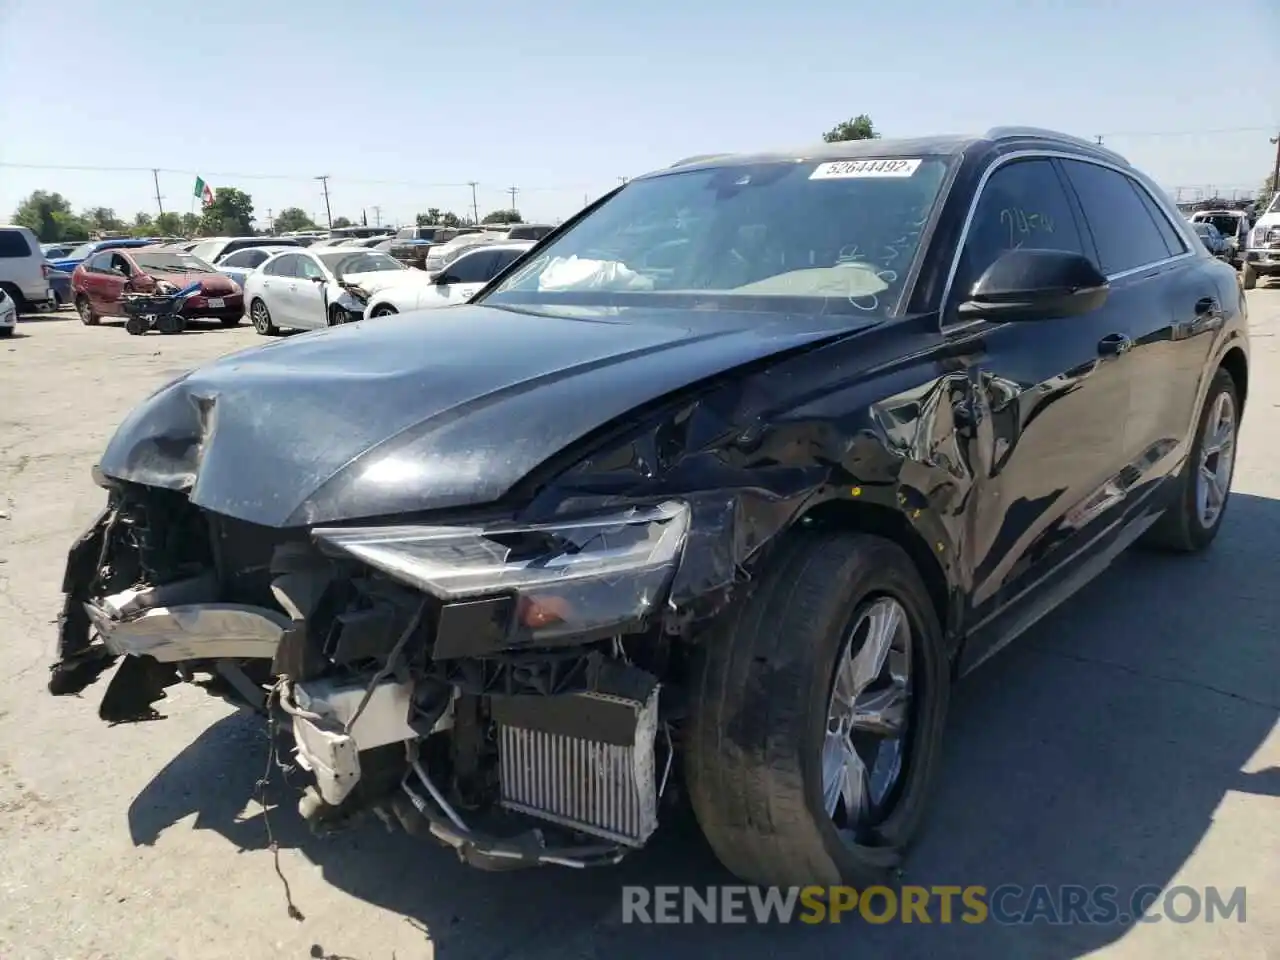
[1008, 905]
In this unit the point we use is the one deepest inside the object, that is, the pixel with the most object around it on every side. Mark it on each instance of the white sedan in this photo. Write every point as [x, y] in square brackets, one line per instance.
[457, 283]
[8, 314]
[307, 290]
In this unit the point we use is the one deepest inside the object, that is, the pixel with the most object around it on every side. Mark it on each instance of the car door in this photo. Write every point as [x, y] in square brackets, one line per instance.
[1049, 400]
[1170, 298]
[241, 263]
[467, 275]
[308, 293]
[95, 276]
[278, 278]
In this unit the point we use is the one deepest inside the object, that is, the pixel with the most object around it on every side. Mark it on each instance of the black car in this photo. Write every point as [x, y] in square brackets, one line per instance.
[711, 496]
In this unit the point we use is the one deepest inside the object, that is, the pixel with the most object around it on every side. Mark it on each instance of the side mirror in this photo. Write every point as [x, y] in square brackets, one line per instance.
[316, 279]
[442, 278]
[1025, 285]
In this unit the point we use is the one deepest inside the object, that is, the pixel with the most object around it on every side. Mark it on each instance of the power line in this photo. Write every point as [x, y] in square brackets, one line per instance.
[1183, 133]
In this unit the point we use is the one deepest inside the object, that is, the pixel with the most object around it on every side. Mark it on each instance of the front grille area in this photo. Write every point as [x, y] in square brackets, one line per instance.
[597, 778]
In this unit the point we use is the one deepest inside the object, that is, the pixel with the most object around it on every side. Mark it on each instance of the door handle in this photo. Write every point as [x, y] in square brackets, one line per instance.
[1114, 344]
[1208, 306]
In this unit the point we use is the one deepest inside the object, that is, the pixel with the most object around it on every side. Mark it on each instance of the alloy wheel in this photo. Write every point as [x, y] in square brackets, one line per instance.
[261, 319]
[867, 717]
[1217, 460]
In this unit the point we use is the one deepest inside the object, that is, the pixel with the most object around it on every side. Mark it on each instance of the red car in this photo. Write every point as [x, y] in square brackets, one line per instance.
[98, 283]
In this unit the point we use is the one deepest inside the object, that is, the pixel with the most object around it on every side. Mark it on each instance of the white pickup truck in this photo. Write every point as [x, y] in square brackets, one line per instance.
[1262, 258]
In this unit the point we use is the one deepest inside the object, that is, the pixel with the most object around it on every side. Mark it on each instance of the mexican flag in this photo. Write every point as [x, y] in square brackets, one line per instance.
[203, 191]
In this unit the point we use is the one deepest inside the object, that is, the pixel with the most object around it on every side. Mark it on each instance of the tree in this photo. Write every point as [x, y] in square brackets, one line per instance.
[169, 225]
[341, 222]
[1269, 187]
[49, 216]
[430, 218]
[190, 225]
[856, 128]
[502, 216]
[143, 225]
[291, 219]
[230, 214]
[450, 219]
[103, 220]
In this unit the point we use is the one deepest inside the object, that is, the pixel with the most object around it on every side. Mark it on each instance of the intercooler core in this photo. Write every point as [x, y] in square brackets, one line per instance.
[581, 760]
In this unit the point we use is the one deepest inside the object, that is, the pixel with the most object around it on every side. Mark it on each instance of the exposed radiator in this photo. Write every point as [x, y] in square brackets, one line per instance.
[583, 760]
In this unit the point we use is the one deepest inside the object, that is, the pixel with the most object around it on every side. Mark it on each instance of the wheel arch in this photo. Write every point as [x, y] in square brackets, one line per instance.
[1236, 364]
[882, 521]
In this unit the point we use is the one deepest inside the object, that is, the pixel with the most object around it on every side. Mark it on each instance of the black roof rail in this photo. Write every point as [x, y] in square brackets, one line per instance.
[1042, 133]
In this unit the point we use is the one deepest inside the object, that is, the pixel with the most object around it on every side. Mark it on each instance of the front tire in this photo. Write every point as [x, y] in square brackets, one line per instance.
[260, 317]
[1191, 521]
[337, 316]
[87, 315]
[383, 310]
[836, 658]
[1249, 277]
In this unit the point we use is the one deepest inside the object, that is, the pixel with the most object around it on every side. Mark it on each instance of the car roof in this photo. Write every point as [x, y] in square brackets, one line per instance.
[932, 146]
[506, 245]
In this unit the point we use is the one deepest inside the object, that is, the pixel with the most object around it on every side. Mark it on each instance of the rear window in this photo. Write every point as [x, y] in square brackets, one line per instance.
[13, 243]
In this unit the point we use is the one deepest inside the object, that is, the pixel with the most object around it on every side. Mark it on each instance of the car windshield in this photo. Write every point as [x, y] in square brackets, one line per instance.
[343, 262]
[165, 261]
[790, 236]
[82, 252]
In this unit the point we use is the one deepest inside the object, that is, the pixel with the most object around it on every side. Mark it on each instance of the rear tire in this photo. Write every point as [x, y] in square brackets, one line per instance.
[6, 332]
[383, 310]
[762, 706]
[1249, 277]
[87, 315]
[1186, 526]
[337, 316]
[19, 301]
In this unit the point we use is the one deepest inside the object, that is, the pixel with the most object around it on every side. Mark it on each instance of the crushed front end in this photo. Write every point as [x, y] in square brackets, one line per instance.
[501, 687]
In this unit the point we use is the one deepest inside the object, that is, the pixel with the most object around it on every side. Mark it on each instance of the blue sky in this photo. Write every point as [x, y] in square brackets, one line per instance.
[398, 99]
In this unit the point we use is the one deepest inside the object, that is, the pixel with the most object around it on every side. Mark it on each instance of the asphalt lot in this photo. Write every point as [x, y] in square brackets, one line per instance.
[1131, 739]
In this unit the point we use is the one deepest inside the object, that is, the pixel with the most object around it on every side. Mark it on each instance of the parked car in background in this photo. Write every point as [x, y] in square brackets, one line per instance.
[60, 288]
[1213, 241]
[241, 263]
[53, 251]
[441, 256]
[457, 283]
[1233, 225]
[371, 243]
[309, 290]
[520, 231]
[213, 249]
[83, 252]
[411, 244]
[8, 314]
[24, 271]
[1262, 257]
[694, 509]
[100, 282]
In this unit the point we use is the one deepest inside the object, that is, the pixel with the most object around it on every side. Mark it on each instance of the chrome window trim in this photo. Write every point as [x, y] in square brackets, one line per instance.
[1049, 154]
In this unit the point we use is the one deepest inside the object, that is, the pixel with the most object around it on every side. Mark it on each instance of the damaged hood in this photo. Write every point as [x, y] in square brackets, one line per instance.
[396, 415]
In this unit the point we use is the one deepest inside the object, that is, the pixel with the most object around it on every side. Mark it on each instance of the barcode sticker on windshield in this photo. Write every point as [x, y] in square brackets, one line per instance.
[844, 169]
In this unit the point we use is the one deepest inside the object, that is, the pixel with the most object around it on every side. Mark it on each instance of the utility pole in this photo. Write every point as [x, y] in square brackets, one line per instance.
[377, 216]
[623, 180]
[513, 191]
[1275, 173]
[271, 223]
[475, 207]
[328, 213]
[155, 178]
[1099, 138]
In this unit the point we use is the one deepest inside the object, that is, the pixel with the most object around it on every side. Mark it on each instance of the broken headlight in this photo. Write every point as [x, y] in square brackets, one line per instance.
[590, 575]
